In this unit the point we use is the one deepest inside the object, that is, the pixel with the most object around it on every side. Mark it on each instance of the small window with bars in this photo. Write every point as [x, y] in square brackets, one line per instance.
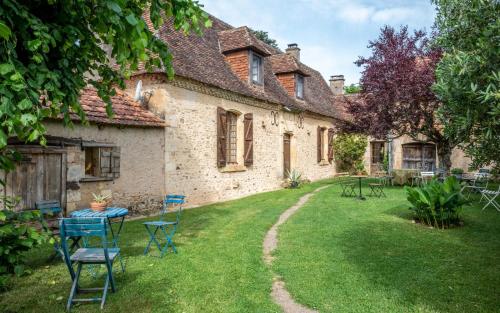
[231, 148]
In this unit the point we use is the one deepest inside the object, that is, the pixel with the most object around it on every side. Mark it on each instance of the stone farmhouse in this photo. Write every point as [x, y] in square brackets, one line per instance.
[239, 114]
[237, 117]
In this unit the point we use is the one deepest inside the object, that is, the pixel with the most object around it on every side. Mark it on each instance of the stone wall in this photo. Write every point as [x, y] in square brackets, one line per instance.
[191, 142]
[458, 158]
[141, 184]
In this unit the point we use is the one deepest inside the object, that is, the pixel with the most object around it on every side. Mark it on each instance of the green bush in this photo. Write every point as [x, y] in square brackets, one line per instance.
[457, 171]
[349, 152]
[403, 177]
[17, 235]
[437, 204]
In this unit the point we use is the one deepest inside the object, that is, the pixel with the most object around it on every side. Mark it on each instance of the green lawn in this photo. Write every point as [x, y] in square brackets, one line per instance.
[219, 266]
[336, 254]
[346, 255]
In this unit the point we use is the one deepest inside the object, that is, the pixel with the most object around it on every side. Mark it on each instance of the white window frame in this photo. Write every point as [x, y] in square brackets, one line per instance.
[260, 69]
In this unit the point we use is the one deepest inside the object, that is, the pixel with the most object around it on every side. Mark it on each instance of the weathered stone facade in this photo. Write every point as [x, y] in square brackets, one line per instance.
[191, 148]
[141, 184]
[458, 158]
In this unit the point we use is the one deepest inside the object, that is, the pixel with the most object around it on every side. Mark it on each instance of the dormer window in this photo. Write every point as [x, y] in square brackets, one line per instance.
[256, 69]
[299, 86]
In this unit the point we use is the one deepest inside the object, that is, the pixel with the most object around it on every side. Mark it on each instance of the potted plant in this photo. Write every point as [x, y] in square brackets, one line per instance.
[457, 172]
[100, 202]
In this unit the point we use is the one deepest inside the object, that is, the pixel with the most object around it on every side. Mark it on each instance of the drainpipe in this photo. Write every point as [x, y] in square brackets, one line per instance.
[389, 153]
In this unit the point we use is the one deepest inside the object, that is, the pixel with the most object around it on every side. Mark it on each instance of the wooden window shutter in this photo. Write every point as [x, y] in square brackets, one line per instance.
[221, 136]
[105, 162]
[115, 162]
[331, 132]
[320, 145]
[248, 130]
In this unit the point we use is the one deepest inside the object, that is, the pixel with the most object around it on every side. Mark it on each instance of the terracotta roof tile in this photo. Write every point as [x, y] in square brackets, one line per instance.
[126, 110]
[241, 38]
[200, 58]
[285, 63]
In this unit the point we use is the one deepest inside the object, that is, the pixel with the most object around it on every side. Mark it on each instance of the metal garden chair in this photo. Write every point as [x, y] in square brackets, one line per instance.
[480, 183]
[377, 189]
[348, 185]
[87, 228]
[167, 228]
[425, 177]
[50, 213]
[490, 196]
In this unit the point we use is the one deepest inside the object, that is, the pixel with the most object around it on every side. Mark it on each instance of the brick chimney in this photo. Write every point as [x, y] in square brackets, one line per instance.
[293, 50]
[337, 84]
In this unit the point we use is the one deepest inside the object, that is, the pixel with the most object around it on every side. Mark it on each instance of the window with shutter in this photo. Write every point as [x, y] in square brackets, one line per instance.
[221, 136]
[248, 146]
[102, 163]
[331, 133]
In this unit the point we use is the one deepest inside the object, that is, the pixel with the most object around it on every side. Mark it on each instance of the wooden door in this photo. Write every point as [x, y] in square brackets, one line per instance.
[40, 175]
[377, 156]
[286, 154]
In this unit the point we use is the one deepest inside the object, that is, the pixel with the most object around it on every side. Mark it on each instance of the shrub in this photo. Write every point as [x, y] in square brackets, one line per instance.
[457, 171]
[294, 178]
[437, 204]
[349, 151]
[17, 235]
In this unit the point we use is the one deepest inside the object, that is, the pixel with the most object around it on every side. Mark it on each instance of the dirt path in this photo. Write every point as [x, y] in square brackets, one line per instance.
[279, 293]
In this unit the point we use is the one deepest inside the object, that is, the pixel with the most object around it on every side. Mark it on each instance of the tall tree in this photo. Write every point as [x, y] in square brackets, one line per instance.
[468, 76]
[396, 97]
[51, 49]
[264, 36]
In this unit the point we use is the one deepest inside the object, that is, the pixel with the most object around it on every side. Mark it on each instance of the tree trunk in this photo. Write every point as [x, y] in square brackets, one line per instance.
[444, 156]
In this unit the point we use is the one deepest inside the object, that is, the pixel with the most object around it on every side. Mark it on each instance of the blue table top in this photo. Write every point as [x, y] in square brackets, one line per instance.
[108, 213]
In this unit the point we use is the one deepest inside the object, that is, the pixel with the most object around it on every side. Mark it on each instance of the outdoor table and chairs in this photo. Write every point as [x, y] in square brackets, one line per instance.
[347, 184]
[377, 188]
[476, 184]
[360, 178]
[112, 215]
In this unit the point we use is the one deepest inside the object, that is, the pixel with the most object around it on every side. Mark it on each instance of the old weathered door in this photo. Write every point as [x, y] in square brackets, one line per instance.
[286, 154]
[40, 175]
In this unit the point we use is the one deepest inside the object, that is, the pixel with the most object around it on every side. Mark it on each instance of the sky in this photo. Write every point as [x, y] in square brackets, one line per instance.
[331, 34]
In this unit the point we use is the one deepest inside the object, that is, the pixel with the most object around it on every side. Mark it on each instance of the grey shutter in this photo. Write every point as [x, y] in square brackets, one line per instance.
[115, 162]
[105, 162]
[221, 136]
[248, 130]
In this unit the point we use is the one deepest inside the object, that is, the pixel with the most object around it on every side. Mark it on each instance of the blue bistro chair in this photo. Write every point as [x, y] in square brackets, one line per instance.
[167, 228]
[50, 213]
[87, 228]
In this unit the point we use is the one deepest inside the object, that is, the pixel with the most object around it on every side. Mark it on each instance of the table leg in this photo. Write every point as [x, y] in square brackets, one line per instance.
[360, 197]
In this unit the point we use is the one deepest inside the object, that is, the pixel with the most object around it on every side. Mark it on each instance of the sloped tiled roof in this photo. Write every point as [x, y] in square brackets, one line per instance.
[201, 58]
[126, 110]
[285, 63]
[241, 38]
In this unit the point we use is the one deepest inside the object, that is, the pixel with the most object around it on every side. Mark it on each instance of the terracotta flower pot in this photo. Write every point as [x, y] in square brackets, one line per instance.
[98, 206]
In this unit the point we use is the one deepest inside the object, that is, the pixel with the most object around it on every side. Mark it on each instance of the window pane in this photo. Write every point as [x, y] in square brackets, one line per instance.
[231, 138]
[256, 68]
[300, 86]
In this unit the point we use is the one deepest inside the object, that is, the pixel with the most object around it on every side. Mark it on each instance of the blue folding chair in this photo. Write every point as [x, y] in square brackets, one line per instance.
[50, 213]
[87, 228]
[167, 228]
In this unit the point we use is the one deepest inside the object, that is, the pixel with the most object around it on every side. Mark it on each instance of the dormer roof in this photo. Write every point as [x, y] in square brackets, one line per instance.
[241, 38]
[285, 63]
